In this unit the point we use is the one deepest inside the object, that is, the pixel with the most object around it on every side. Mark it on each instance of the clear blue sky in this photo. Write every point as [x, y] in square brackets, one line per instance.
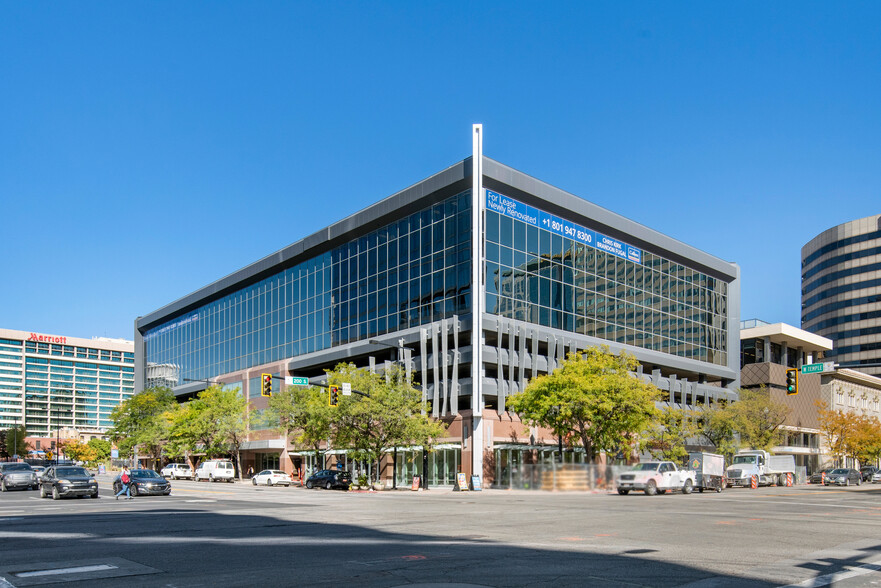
[149, 148]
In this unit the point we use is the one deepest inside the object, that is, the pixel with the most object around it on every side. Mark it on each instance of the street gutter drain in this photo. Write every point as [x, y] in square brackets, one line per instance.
[77, 570]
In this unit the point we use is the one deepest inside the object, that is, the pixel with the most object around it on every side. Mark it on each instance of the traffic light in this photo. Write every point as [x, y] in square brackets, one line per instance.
[265, 384]
[333, 395]
[792, 381]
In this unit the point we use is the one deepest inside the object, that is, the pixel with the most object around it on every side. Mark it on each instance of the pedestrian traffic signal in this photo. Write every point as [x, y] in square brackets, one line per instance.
[333, 395]
[265, 384]
[792, 381]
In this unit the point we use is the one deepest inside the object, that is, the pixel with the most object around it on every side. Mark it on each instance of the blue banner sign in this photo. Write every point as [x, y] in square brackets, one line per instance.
[538, 218]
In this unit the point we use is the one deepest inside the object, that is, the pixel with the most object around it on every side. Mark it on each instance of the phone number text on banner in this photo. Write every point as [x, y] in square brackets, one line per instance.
[541, 219]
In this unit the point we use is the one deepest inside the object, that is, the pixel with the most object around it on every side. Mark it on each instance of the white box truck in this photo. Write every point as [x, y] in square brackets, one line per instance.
[768, 470]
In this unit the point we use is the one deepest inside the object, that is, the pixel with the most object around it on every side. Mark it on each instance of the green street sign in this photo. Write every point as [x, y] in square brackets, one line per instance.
[292, 381]
[818, 368]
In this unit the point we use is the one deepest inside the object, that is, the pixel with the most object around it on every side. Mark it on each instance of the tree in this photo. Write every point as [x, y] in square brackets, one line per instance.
[215, 423]
[76, 451]
[140, 422]
[716, 425]
[13, 440]
[391, 414]
[836, 426]
[670, 433]
[101, 447]
[864, 442]
[593, 395]
[302, 415]
[758, 418]
[226, 411]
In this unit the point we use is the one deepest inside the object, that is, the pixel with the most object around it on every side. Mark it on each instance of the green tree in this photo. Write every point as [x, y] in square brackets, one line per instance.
[392, 413]
[215, 423]
[757, 418]
[13, 440]
[101, 447]
[716, 425]
[226, 409]
[140, 422]
[667, 438]
[593, 395]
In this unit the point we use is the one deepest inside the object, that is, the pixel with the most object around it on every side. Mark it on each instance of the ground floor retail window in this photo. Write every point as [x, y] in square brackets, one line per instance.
[443, 465]
[522, 466]
[267, 461]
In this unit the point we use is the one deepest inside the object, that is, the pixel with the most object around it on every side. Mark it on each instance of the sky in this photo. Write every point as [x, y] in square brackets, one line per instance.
[150, 148]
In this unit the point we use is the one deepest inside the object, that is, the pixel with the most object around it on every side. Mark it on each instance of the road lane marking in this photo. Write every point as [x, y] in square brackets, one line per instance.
[57, 571]
[828, 579]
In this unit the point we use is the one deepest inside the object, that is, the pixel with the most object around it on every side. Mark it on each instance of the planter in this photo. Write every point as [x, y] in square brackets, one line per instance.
[378, 487]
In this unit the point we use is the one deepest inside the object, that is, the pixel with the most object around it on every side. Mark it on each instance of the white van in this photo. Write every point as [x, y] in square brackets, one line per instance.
[215, 470]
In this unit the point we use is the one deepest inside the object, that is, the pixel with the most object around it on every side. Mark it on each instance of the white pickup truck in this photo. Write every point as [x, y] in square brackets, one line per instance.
[656, 477]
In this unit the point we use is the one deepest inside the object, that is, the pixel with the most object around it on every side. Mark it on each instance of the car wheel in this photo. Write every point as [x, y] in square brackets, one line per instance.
[329, 485]
[254, 481]
[847, 481]
[859, 481]
[687, 487]
[55, 494]
[309, 485]
[269, 482]
[623, 491]
[651, 488]
[42, 492]
[95, 495]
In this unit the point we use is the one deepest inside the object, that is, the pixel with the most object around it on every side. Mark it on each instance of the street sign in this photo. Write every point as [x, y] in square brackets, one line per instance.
[347, 389]
[295, 381]
[818, 368]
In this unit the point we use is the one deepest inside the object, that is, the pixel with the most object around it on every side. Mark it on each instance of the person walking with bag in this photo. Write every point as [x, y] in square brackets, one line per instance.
[125, 481]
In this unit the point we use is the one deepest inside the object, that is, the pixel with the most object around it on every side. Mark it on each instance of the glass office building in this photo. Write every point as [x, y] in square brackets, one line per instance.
[50, 382]
[481, 281]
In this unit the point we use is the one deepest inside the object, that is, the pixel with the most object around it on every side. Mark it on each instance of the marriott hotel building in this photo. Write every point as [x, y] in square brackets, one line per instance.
[480, 277]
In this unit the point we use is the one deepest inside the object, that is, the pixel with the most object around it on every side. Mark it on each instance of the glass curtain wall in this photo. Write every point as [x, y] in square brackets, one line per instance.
[541, 277]
[407, 273]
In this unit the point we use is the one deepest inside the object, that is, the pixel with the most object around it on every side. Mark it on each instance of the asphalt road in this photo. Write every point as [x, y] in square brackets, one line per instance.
[238, 535]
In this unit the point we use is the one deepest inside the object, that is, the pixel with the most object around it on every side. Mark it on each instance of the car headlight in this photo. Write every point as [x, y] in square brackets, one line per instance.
[64, 481]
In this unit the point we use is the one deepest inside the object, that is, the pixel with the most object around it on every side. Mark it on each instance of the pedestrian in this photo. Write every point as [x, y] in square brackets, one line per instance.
[125, 484]
[250, 471]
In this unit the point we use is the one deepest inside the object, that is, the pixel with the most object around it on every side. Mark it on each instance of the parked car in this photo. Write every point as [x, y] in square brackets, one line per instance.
[867, 473]
[214, 470]
[817, 477]
[62, 481]
[329, 479]
[843, 477]
[144, 482]
[17, 475]
[39, 470]
[177, 470]
[272, 478]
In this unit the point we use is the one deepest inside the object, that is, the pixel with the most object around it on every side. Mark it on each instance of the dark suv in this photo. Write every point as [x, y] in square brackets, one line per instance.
[62, 481]
[330, 479]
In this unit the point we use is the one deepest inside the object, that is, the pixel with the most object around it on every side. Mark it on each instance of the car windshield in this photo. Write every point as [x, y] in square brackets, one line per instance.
[839, 471]
[16, 467]
[66, 472]
[744, 459]
[144, 474]
[646, 467]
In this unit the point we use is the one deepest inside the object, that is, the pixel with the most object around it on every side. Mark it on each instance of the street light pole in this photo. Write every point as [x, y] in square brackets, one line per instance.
[399, 357]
